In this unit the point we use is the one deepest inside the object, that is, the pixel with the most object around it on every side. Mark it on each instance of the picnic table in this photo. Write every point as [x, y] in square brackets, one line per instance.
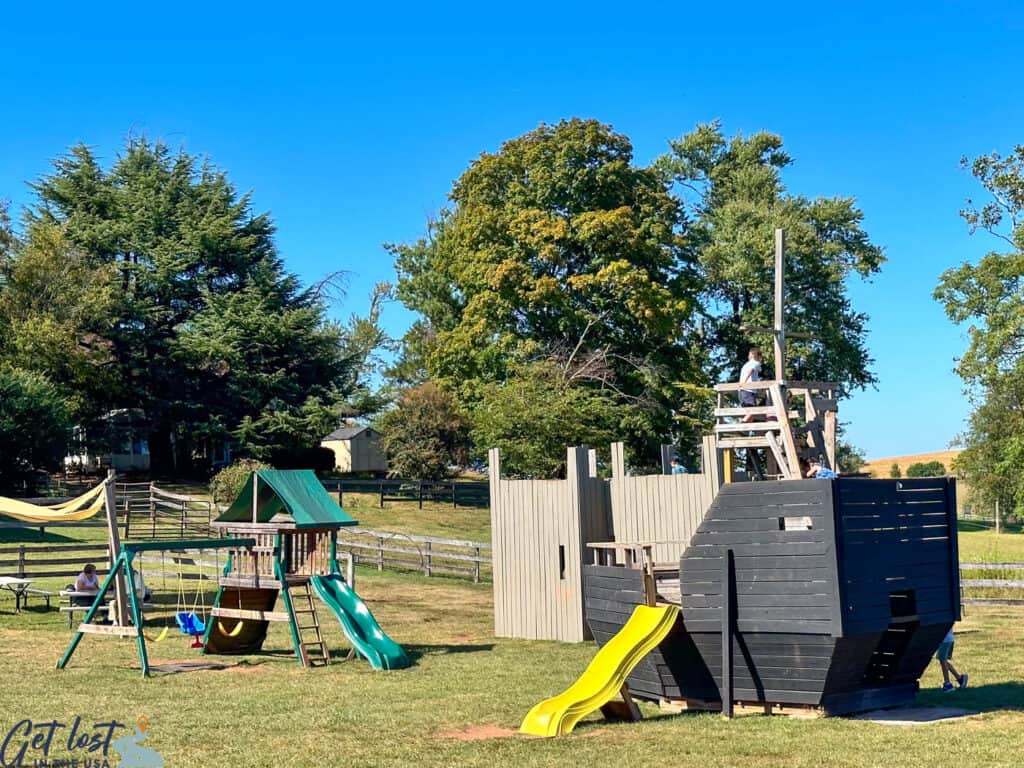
[21, 589]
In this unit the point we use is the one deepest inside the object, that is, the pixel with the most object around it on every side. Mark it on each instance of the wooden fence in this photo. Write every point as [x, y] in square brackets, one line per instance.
[147, 511]
[429, 555]
[1002, 586]
[33, 561]
[458, 494]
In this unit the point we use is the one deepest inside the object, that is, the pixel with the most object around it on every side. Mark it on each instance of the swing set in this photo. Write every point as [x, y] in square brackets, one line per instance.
[191, 622]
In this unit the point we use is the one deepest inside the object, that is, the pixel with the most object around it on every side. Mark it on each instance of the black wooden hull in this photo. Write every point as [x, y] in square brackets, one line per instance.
[842, 592]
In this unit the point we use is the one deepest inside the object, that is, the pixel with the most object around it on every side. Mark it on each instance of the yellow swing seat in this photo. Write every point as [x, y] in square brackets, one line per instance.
[234, 630]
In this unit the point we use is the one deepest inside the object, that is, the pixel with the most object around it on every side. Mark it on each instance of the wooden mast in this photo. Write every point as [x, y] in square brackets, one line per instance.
[779, 330]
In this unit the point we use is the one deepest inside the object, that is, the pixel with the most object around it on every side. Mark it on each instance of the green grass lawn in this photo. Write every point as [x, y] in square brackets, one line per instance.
[267, 711]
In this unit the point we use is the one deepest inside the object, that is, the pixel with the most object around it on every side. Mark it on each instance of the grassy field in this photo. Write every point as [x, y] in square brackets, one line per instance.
[460, 703]
[465, 694]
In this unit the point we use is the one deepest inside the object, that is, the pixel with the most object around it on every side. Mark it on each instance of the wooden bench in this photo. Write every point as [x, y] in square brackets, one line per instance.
[71, 609]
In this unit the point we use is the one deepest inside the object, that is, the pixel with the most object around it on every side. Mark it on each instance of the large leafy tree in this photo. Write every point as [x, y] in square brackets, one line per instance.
[206, 332]
[558, 249]
[734, 192]
[989, 297]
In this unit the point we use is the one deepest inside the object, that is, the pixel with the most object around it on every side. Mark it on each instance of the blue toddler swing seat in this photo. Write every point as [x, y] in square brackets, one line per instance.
[189, 622]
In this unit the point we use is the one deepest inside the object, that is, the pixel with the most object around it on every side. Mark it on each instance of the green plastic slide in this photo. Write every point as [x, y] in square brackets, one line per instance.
[358, 623]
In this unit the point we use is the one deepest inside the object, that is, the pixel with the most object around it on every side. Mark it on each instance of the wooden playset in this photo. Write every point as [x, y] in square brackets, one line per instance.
[280, 536]
[823, 596]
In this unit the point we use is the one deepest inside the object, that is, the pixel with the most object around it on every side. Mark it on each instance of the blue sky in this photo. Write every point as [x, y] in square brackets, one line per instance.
[350, 125]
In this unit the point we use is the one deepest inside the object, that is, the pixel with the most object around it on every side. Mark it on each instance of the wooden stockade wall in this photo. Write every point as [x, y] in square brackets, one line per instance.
[666, 509]
[540, 528]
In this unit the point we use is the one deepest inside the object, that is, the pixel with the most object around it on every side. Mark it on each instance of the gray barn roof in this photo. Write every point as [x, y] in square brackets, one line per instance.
[346, 433]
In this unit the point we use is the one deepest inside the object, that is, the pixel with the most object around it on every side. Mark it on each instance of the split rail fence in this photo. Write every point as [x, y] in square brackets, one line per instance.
[997, 590]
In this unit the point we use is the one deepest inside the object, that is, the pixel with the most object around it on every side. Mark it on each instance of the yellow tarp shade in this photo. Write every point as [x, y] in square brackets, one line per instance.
[81, 508]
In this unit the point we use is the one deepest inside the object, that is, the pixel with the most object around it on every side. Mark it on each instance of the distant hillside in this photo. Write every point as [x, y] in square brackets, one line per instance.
[881, 467]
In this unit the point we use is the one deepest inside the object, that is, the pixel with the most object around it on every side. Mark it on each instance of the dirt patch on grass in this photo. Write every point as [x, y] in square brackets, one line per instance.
[485, 732]
[478, 733]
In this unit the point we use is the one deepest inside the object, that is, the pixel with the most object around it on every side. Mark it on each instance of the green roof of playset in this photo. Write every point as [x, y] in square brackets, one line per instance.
[297, 493]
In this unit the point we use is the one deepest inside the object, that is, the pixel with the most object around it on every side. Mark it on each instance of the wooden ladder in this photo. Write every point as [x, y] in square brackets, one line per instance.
[312, 648]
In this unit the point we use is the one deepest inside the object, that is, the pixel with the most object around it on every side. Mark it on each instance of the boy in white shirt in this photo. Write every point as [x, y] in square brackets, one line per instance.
[945, 656]
[751, 371]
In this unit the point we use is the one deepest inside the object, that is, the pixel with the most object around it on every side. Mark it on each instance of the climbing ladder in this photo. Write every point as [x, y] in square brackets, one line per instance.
[309, 641]
[774, 428]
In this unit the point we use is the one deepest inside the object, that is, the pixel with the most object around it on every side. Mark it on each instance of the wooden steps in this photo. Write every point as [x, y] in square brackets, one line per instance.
[313, 651]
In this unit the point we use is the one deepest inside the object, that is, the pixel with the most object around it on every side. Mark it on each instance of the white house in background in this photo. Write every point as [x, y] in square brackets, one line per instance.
[124, 433]
[356, 449]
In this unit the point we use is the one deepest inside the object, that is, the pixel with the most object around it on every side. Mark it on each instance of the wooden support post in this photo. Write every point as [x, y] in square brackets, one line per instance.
[21, 561]
[830, 439]
[666, 459]
[780, 306]
[419, 493]
[382, 494]
[114, 544]
[728, 589]
[427, 560]
[476, 565]
[380, 553]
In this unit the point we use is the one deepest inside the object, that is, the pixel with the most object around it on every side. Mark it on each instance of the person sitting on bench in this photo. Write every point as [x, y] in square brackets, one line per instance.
[88, 582]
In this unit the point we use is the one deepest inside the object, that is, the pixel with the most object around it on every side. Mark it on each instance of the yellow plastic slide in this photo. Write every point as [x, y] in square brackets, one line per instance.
[606, 674]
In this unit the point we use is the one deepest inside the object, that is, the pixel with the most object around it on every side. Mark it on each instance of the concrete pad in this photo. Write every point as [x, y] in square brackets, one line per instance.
[914, 715]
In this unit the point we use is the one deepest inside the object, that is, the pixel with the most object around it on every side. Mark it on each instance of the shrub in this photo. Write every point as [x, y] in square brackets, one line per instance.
[227, 484]
[926, 469]
[424, 435]
[894, 471]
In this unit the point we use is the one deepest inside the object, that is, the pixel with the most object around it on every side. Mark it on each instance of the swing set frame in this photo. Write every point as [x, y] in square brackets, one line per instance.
[122, 566]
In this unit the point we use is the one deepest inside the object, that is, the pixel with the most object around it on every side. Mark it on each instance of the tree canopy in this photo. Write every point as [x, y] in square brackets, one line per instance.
[733, 191]
[561, 259]
[152, 285]
[988, 296]
[558, 249]
[34, 424]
